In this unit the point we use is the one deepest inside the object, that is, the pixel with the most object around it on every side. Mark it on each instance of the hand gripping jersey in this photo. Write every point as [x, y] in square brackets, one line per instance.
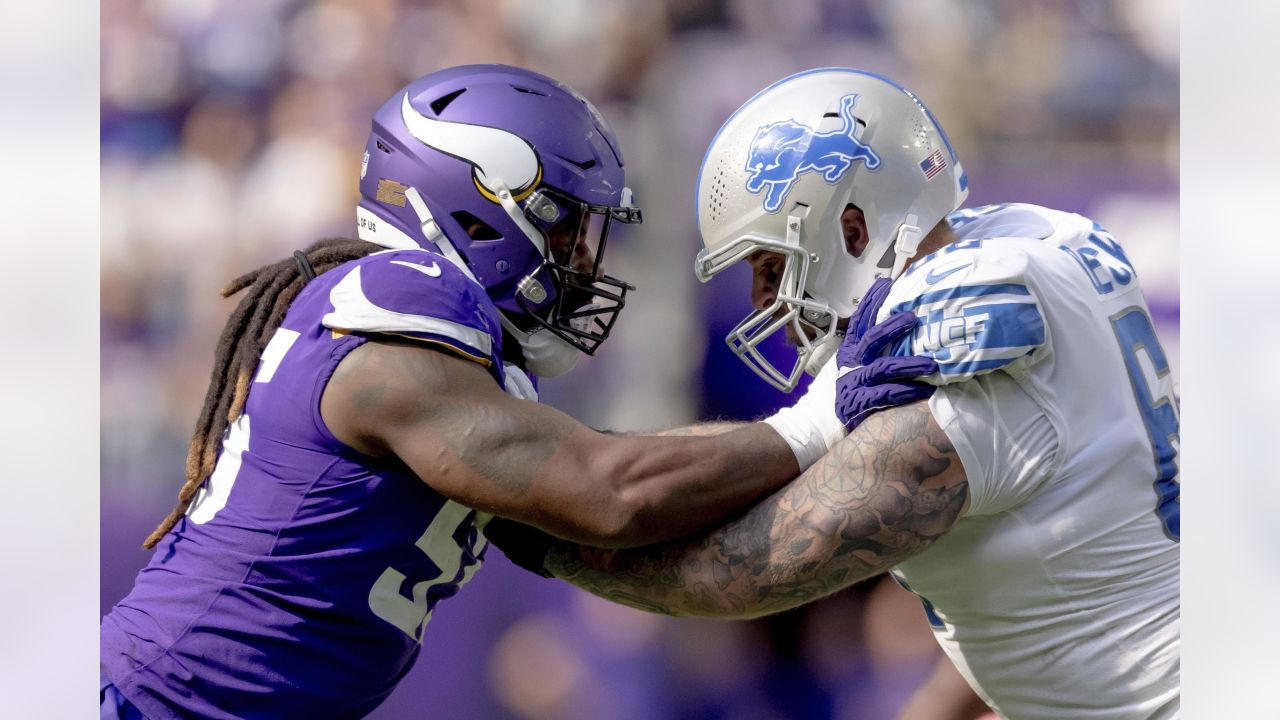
[299, 582]
[1056, 594]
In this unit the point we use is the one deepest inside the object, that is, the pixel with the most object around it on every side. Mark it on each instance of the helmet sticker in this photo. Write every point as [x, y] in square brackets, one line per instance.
[782, 150]
[391, 192]
[933, 164]
[493, 153]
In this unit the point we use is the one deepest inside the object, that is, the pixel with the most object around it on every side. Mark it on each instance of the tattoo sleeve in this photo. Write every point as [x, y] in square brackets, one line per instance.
[881, 495]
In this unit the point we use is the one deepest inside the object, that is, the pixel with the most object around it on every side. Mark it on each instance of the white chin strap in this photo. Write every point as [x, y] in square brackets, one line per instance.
[906, 244]
[529, 287]
[904, 247]
[821, 353]
[545, 353]
[434, 235]
[826, 346]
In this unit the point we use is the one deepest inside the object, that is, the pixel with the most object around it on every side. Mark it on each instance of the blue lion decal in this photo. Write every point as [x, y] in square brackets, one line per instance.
[784, 149]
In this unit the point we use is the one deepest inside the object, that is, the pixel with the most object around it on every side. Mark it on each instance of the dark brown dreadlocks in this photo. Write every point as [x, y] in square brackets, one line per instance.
[271, 289]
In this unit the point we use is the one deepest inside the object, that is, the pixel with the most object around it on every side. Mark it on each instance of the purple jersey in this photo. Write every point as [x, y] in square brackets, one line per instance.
[299, 582]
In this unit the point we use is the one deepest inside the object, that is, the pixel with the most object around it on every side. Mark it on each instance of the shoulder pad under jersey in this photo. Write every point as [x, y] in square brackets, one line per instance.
[1019, 220]
[978, 312]
[416, 294]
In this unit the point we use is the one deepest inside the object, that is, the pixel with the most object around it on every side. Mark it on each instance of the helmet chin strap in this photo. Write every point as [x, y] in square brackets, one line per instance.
[514, 212]
[819, 353]
[905, 246]
[545, 354]
[533, 290]
[432, 232]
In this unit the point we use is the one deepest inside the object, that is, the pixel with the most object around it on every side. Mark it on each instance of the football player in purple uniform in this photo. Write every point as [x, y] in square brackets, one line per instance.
[371, 407]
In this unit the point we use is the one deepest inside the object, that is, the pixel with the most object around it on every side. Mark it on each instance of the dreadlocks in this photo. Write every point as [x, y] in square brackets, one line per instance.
[271, 289]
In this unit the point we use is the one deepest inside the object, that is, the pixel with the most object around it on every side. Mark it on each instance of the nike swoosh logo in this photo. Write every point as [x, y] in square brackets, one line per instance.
[352, 310]
[934, 278]
[432, 271]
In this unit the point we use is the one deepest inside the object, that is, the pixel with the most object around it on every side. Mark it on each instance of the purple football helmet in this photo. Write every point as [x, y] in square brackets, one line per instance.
[516, 177]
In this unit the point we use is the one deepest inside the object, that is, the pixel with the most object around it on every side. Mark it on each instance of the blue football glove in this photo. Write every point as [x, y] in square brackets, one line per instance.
[869, 382]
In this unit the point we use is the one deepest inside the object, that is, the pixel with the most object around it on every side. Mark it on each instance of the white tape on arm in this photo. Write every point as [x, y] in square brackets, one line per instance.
[810, 426]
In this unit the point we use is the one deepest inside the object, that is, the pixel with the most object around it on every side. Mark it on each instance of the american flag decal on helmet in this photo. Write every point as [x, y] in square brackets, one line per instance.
[933, 164]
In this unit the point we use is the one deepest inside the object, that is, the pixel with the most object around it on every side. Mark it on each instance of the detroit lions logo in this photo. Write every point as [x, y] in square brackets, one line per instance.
[781, 151]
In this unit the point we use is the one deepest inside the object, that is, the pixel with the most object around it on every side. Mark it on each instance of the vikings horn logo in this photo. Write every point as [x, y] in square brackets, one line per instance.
[781, 151]
[494, 154]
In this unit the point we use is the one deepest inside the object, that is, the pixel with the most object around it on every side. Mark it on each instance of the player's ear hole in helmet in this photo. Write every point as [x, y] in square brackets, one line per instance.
[843, 173]
[853, 226]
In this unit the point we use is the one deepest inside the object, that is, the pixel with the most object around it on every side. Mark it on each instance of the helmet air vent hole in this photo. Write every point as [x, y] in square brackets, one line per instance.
[517, 88]
[475, 227]
[439, 104]
[921, 133]
[583, 165]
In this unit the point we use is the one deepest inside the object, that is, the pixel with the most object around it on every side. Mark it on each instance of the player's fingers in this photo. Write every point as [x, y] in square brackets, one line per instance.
[908, 392]
[879, 291]
[866, 313]
[870, 306]
[849, 353]
[893, 328]
[895, 396]
[889, 369]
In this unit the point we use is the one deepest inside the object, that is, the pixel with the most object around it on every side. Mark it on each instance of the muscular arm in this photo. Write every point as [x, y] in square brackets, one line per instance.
[707, 429]
[448, 420]
[880, 496]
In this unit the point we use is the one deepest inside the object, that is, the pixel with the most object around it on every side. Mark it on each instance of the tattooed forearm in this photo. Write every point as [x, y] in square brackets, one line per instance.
[880, 496]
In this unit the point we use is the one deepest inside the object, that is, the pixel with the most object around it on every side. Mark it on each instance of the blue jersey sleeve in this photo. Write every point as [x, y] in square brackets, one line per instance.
[977, 311]
[419, 295]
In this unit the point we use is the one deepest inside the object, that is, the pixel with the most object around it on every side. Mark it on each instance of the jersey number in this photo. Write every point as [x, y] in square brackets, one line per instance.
[213, 495]
[1153, 390]
[449, 532]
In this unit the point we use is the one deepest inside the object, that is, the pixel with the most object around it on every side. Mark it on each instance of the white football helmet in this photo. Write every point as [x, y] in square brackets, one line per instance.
[780, 173]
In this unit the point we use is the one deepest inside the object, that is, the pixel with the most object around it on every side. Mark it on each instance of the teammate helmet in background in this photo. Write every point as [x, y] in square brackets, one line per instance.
[781, 172]
[516, 178]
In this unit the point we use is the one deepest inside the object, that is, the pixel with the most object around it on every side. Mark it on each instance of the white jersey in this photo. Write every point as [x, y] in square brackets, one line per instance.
[1056, 594]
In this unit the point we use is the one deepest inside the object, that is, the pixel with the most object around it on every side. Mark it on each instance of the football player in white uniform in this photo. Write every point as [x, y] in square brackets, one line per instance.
[1032, 501]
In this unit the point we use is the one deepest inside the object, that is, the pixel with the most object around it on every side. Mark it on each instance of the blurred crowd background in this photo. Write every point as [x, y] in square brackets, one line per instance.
[232, 134]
